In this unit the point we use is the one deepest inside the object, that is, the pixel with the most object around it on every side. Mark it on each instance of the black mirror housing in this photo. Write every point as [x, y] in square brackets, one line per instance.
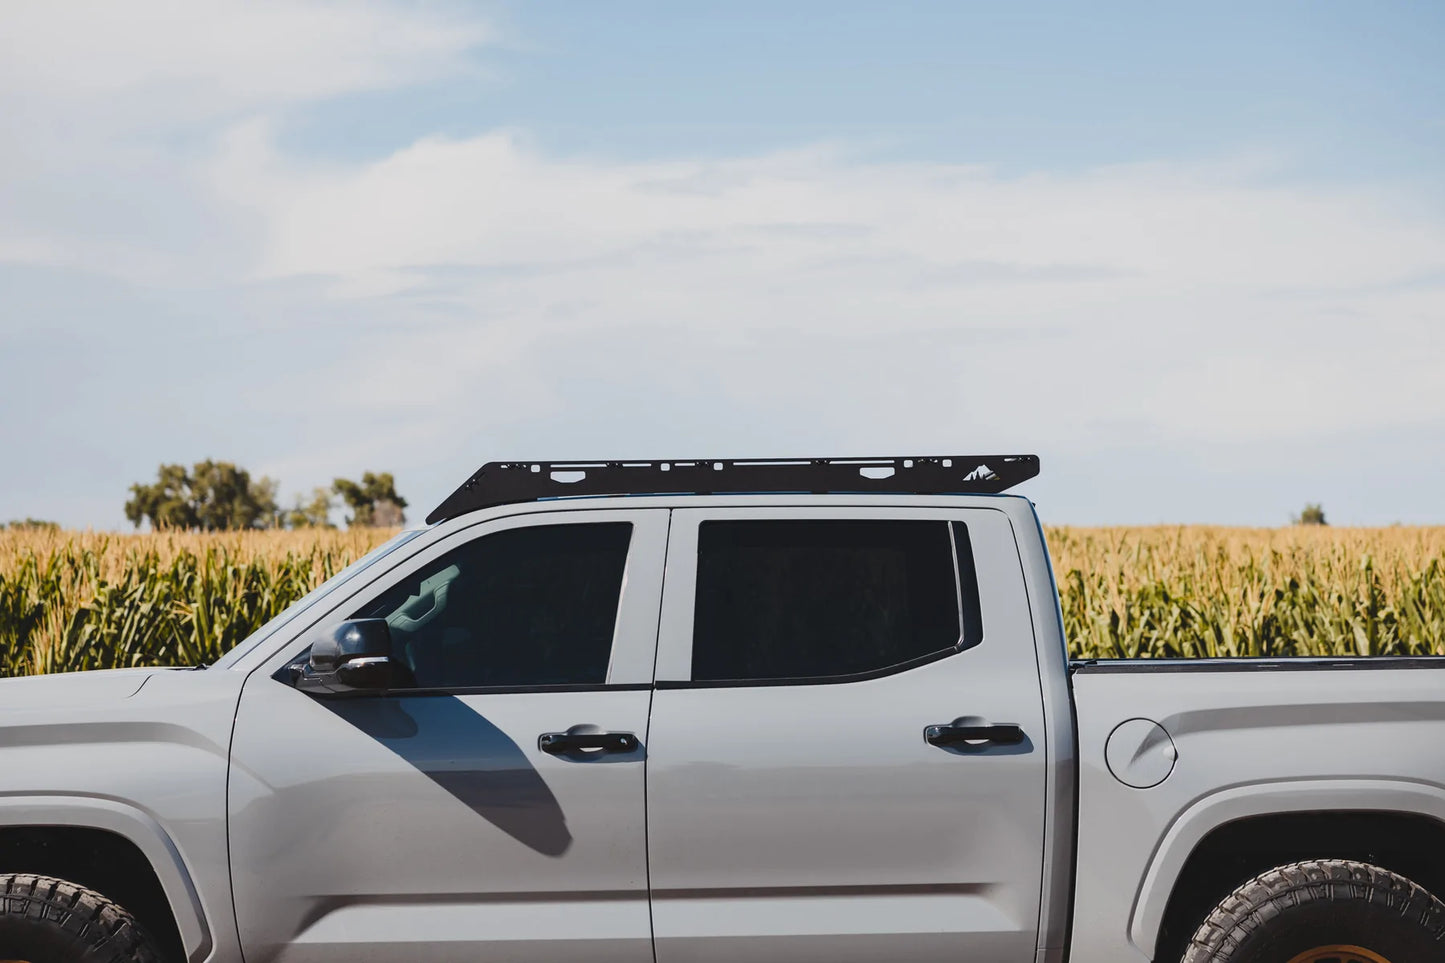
[354, 657]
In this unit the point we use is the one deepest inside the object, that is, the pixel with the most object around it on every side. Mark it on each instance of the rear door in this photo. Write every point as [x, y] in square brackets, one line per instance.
[846, 757]
[438, 822]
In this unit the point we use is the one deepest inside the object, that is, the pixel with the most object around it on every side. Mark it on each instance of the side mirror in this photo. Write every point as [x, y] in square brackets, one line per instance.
[354, 657]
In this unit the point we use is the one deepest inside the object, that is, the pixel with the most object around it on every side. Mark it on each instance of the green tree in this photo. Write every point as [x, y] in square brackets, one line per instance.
[226, 498]
[165, 504]
[315, 513]
[213, 496]
[1312, 514]
[32, 524]
[373, 502]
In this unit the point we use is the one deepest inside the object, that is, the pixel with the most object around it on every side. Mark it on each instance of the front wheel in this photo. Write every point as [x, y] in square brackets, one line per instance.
[1323, 911]
[44, 920]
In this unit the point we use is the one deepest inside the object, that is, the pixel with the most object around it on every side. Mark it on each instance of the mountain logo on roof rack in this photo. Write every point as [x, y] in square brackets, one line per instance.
[981, 473]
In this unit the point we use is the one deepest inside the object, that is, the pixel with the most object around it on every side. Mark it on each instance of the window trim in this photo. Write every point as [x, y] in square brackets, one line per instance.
[438, 691]
[887, 670]
[685, 549]
[965, 575]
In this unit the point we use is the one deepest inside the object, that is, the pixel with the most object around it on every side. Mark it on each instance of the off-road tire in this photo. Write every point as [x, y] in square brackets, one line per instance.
[44, 920]
[1291, 910]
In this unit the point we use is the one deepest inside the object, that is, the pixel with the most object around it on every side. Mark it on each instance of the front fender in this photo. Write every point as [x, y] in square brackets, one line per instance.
[136, 826]
[150, 766]
[1262, 799]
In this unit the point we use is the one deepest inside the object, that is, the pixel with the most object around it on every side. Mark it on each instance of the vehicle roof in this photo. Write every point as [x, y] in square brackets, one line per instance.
[1002, 501]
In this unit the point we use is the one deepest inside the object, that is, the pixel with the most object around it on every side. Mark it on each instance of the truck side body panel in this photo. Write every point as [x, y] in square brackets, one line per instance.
[1249, 742]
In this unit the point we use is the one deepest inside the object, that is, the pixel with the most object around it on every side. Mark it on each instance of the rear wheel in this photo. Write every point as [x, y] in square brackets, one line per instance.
[1323, 911]
[45, 920]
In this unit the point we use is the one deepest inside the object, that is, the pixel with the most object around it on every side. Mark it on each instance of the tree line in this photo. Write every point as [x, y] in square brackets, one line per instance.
[221, 496]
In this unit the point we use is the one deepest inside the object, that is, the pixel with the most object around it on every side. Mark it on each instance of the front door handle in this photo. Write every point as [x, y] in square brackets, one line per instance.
[586, 739]
[955, 735]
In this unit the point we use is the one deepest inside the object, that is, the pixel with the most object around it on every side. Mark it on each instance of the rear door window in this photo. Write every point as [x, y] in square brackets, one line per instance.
[829, 599]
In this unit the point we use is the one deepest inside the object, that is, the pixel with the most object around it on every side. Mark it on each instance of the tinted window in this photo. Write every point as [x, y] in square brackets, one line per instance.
[808, 599]
[528, 606]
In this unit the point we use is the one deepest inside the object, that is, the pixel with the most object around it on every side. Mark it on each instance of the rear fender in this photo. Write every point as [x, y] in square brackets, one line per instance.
[1263, 799]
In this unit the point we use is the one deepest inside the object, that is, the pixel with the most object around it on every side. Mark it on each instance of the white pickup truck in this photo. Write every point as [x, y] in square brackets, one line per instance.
[719, 712]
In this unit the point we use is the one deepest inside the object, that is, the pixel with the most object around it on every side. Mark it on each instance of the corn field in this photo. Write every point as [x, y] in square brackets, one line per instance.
[73, 601]
[1198, 592]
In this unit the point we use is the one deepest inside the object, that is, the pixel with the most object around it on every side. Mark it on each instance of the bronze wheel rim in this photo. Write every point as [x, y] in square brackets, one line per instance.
[1339, 953]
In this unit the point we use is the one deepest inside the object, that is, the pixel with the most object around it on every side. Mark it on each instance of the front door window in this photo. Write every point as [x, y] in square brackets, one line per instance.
[525, 607]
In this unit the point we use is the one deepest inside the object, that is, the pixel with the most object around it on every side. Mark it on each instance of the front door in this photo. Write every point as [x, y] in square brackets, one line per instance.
[435, 823]
[847, 757]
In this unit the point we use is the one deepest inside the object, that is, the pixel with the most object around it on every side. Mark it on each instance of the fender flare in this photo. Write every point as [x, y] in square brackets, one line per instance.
[139, 828]
[1217, 809]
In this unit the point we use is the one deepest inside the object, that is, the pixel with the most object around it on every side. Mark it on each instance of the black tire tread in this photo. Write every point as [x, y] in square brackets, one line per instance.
[107, 931]
[1264, 897]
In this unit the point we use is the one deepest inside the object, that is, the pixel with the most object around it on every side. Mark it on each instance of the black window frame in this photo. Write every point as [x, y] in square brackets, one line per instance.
[970, 615]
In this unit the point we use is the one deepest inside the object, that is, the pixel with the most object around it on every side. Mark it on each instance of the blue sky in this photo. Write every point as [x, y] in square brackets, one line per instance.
[1193, 257]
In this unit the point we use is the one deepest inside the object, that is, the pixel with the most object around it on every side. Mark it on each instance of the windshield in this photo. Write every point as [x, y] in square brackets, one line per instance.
[325, 588]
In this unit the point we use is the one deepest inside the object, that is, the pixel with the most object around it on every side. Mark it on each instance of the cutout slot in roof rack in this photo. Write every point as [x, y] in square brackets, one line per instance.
[512, 482]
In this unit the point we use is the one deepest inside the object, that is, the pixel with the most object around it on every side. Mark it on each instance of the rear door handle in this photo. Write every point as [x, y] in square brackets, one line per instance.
[952, 735]
[586, 739]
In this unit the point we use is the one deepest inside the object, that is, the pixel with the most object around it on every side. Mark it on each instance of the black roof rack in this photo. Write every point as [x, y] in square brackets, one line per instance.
[510, 482]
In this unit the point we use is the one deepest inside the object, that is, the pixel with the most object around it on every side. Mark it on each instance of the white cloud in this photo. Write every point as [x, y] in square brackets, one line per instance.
[1207, 301]
[111, 109]
[192, 59]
